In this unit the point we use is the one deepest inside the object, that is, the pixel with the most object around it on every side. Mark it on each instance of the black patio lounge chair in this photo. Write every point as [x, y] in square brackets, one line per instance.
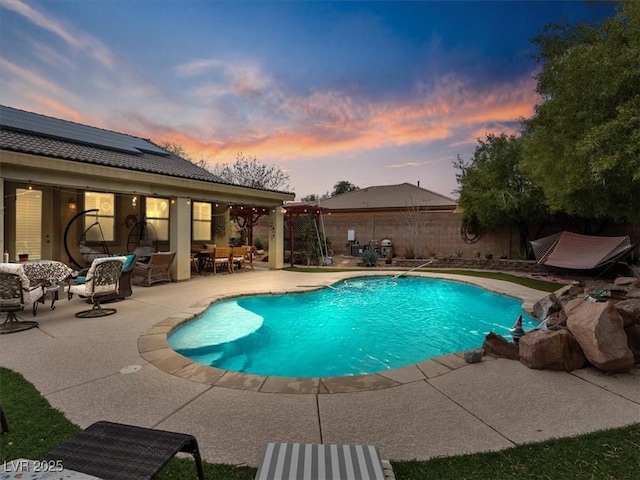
[115, 451]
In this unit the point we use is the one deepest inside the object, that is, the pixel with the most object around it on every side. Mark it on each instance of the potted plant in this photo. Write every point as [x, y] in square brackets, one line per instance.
[488, 254]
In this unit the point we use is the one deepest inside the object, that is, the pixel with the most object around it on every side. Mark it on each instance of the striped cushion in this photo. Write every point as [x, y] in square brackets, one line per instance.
[295, 461]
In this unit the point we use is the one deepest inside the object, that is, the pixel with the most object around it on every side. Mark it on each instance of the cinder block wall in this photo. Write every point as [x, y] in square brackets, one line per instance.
[442, 234]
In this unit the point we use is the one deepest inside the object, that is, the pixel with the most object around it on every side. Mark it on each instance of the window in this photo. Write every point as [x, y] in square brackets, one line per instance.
[201, 221]
[29, 223]
[157, 212]
[101, 225]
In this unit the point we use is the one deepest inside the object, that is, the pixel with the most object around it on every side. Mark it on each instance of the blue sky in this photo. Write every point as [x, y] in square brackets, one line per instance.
[375, 93]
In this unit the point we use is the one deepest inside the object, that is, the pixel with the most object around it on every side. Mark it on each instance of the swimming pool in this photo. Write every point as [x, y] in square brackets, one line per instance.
[357, 326]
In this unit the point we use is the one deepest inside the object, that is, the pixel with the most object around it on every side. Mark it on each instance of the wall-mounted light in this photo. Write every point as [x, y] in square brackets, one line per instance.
[134, 202]
[72, 204]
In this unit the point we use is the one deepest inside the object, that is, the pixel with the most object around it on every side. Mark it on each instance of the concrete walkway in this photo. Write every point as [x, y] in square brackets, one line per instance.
[92, 369]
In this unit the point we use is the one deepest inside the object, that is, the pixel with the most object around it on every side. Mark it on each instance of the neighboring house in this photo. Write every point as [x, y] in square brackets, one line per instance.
[52, 169]
[413, 218]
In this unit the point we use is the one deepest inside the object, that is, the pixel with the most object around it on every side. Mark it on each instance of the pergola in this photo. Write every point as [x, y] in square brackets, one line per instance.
[247, 217]
[293, 212]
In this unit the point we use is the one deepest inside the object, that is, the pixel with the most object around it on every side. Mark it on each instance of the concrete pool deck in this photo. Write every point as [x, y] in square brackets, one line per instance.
[117, 368]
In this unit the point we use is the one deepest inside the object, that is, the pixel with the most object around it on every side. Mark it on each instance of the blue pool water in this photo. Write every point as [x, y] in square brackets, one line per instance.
[362, 325]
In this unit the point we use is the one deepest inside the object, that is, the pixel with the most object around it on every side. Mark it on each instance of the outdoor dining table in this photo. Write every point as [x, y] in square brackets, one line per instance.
[49, 273]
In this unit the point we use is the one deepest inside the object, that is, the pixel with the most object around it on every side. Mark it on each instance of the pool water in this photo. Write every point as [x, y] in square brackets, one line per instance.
[358, 326]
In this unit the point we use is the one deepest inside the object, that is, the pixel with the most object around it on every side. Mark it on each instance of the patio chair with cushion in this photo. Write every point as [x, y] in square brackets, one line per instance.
[157, 270]
[102, 281]
[124, 289]
[115, 451]
[15, 294]
[221, 258]
[239, 257]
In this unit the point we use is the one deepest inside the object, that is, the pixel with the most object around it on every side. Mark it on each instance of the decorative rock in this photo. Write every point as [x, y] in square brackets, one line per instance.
[557, 320]
[598, 328]
[546, 306]
[629, 310]
[625, 281]
[633, 340]
[633, 293]
[473, 355]
[553, 350]
[498, 347]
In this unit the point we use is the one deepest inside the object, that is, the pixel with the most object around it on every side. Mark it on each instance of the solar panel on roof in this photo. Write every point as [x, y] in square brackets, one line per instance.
[54, 127]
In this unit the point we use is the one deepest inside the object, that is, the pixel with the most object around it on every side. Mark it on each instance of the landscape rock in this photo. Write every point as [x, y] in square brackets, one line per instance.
[633, 340]
[551, 349]
[498, 347]
[557, 320]
[629, 310]
[598, 328]
[625, 281]
[473, 356]
[633, 293]
[546, 306]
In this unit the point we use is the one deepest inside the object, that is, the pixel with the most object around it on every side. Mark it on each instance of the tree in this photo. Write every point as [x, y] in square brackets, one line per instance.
[582, 146]
[495, 192]
[248, 172]
[180, 151]
[310, 198]
[343, 186]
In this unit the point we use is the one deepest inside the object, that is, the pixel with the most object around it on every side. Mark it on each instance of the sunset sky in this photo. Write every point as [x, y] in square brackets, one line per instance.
[376, 93]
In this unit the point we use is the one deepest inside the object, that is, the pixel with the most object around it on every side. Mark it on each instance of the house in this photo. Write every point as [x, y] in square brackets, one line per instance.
[411, 217]
[54, 171]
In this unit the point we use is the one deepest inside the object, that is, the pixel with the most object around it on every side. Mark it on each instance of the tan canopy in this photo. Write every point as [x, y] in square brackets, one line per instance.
[580, 252]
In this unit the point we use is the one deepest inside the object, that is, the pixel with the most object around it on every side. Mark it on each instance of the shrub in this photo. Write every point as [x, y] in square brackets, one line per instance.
[409, 253]
[459, 253]
[369, 258]
[259, 244]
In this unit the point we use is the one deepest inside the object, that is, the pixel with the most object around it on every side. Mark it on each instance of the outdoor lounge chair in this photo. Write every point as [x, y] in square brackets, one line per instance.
[115, 451]
[15, 294]
[157, 270]
[102, 281]
[338, 462]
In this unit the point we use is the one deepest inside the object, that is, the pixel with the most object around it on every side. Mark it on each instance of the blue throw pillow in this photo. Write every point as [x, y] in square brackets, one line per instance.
[80, 279]
[128, 262]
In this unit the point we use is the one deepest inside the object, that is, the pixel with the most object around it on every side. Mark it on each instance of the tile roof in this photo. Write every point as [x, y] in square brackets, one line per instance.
[404, 195]
[36, 134]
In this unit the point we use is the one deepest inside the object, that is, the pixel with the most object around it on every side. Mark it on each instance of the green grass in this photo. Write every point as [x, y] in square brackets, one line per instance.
[36, 428]
[534, 283]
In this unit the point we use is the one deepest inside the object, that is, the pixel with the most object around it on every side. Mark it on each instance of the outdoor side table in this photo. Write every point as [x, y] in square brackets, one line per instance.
[285, 461]
[114, 451]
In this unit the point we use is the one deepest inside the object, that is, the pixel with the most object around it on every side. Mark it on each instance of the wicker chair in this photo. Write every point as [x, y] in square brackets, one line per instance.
[157, 270]
[102, 281]
[15, 294]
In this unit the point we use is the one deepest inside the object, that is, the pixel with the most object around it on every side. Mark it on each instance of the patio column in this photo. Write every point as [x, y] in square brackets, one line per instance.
[276, 238]
[180, 239]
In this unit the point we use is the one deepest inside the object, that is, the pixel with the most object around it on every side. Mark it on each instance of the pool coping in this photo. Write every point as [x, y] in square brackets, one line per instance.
[153, 346]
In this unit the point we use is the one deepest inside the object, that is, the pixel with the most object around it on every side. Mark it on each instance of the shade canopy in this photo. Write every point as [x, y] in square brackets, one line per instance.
[580, 252]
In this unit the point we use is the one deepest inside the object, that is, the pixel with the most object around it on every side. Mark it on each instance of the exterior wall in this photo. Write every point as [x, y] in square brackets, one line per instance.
[442, 234]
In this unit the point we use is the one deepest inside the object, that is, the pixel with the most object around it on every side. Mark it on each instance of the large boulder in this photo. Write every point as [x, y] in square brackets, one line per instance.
[629, 310]
[546, 306]
[551, 349]
[498, 347]
[598, 328]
